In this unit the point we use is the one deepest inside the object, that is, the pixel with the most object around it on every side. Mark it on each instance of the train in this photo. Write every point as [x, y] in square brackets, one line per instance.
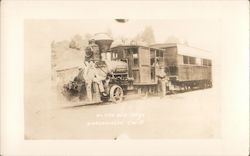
[132, 69]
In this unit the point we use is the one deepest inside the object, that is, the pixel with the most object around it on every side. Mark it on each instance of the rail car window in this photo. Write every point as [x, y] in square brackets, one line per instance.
[159, 53]
[180, 59]
[106, 56]
[136, 62]
[136, 59]
[135, 55]
[189, 60]
[185, 60]
[209, 63]
[152, 57]
[206, 62]
[152, 61]
[198, 61]
[192, 60]
[120, 54]
[152, 54]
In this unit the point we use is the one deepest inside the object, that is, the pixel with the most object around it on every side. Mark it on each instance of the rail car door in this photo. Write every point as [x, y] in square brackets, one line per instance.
[129, 55]
[135, 64]
[152, 63]
[144, 65]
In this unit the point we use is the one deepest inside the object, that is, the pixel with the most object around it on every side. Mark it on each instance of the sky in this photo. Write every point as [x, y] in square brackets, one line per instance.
[203, 33]
[39, 34]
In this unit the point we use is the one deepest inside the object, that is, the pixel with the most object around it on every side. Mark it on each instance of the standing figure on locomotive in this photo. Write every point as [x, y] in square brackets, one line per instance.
[92, 55]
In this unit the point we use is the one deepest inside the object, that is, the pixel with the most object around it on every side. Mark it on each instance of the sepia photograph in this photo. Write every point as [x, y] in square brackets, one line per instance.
[121, 79]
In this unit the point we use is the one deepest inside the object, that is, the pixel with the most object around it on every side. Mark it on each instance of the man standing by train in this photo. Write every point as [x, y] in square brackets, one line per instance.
[92, 55]
[161, 77]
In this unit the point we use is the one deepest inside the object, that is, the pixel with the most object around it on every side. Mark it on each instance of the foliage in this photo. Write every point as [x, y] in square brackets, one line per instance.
[172, 39]
[147, 36]
[78, 42]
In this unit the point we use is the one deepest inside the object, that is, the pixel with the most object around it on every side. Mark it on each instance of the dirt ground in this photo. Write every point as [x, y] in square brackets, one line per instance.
[194, 114]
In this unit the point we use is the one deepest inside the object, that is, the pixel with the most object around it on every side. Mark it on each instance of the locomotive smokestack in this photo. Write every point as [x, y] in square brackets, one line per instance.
[104, 41]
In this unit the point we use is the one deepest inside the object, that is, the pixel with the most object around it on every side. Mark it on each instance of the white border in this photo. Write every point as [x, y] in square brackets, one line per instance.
[234, 72]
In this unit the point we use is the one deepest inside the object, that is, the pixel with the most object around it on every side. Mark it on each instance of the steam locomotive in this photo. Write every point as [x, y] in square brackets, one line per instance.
[115, 71]
[131, 68]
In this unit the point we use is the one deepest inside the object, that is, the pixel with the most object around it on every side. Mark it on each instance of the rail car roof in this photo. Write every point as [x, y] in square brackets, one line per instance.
[183, 49]
[136, 46]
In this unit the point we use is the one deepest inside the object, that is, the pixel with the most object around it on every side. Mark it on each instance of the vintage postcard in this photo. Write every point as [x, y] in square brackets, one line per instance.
[124, 78]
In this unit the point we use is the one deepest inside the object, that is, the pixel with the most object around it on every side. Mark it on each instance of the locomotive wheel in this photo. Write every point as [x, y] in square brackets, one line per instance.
[116, 94]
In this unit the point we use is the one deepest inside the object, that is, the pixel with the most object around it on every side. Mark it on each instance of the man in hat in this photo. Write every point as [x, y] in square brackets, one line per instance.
[92, 52]
[161, 77]
[91, 73]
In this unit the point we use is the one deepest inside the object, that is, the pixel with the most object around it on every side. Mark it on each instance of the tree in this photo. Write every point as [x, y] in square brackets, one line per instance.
[76, 42]
[147, 36]
[172, 39]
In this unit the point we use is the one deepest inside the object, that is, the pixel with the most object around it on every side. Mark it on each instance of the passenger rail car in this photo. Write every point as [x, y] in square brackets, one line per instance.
[186, 67]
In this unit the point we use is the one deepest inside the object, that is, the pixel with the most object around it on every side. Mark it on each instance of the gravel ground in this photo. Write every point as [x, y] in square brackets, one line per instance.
[194, 114]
